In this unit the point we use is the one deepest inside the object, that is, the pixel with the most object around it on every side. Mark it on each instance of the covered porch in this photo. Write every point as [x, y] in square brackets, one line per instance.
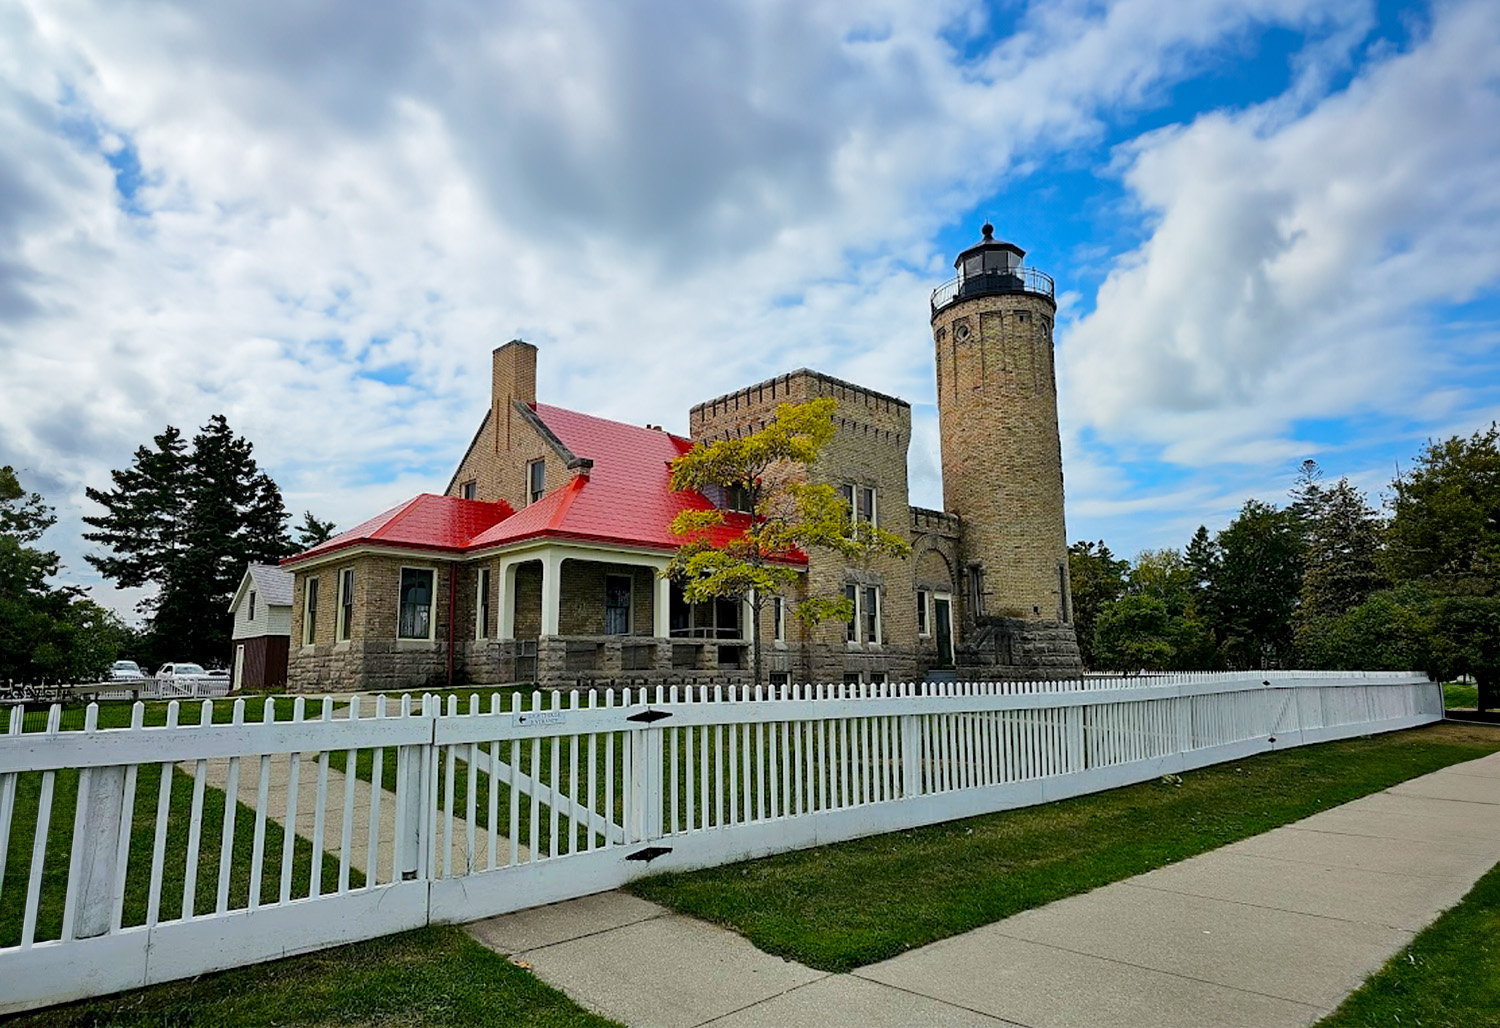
[573, 614]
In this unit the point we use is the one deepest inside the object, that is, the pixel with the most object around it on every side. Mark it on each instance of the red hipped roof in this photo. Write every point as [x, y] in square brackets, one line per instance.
[425, 522]
[625, 499]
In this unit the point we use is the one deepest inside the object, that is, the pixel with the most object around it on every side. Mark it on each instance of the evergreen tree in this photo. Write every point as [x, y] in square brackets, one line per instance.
[1343, 551]
[1096, 579]
[145, 512]
[188, 523]
[312, 531]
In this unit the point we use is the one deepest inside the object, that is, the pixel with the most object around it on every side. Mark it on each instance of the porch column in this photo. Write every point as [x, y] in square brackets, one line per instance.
[663, 624]
[552, 563]
[507, 598]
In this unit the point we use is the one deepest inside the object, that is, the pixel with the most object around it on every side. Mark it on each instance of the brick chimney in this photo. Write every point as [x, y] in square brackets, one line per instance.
[514, 379]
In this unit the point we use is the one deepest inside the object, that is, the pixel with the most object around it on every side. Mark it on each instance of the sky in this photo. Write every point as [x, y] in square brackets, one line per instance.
[1274, 226]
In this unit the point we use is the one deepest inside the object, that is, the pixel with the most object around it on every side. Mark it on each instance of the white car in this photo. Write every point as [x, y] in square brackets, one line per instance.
[184, 679]
[125, 671]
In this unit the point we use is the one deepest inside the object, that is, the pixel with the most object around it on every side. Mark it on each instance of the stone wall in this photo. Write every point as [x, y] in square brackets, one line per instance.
[869, 448]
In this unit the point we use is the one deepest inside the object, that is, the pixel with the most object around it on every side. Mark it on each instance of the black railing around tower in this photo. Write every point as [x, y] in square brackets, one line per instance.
[990, 283]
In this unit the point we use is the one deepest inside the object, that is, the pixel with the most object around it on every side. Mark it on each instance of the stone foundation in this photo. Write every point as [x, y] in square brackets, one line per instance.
[1003, 647]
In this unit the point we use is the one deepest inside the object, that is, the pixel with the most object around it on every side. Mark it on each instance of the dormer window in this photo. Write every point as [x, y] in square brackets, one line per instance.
[737, 497]
[470, 490]
[536, 480]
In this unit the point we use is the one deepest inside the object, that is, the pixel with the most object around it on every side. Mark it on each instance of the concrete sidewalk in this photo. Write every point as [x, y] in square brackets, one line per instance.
[1274, 930]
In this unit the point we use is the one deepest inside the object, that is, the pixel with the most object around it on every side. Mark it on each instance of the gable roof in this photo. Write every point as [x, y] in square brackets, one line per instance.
[626, 498]
[622, 497]
[271, 584]
[425, 522]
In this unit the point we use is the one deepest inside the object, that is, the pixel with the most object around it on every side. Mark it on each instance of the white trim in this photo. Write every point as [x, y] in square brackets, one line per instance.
[311, 584]
[342, 631]
[924, 619]
[481, 590]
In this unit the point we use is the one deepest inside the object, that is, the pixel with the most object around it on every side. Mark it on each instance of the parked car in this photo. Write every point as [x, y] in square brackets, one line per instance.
[179, 670]
[183, 679]
[125, 671]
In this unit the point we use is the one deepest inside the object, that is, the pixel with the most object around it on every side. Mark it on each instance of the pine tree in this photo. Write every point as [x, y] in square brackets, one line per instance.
[145, 511]
[312, 531]
[188, 523]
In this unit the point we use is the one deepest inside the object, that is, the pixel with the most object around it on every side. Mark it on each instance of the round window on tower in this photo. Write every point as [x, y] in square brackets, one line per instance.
[961, 331]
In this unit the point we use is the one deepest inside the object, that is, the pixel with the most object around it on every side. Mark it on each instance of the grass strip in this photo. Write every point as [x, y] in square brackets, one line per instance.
[1448, 977]
[843, 906]
[434, 977]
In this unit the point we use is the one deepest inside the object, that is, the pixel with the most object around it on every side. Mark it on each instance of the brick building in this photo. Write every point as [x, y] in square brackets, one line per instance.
[540, 562]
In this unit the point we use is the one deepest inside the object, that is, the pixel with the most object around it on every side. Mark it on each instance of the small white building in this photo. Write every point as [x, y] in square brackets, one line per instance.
[262, 609]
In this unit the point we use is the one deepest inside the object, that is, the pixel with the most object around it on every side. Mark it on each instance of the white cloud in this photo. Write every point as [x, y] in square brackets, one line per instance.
[1294, 261]
[345, 206]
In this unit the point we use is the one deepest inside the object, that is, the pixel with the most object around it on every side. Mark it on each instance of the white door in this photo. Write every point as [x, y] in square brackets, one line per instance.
[239, 668]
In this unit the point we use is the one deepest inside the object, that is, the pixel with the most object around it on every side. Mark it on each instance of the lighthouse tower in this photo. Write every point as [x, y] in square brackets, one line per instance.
[1002, 463]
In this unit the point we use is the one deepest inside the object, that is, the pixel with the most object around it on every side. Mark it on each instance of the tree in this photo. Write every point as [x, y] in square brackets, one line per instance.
[188, 522]
[45, 632]
[1256, 584]
[1096, 579]
[788, 513]
[1445, 535]
[1342, 539]
[312, 531]
[1445, 527]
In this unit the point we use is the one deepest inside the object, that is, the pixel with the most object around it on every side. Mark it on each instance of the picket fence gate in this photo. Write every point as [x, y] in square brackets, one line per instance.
[250, 840]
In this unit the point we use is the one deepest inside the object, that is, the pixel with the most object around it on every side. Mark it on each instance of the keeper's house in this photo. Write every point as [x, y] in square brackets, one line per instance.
[540, 563]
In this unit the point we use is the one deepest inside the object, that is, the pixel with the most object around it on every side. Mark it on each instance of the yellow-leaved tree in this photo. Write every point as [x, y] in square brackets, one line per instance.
[788, 514]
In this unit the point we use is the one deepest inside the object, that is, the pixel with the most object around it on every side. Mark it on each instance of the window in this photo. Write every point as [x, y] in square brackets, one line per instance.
[470, 490]
[310, 612]
[922, 624]
[861, 501]
[778, 619]
[714, 619]
[1062, 594]
[616, 604]
[346, 603]
[482, 606]
[877, 678]
[252, 604]
[737, 497]
[536, 480]
[866, 624]
[781, 678]
[976, 590]
[415, 615]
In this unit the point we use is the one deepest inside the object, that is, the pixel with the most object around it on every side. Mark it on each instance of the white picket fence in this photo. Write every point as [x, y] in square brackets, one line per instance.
[493, 811]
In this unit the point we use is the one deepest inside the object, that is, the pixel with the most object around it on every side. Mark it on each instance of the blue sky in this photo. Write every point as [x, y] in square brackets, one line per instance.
[1272, 225]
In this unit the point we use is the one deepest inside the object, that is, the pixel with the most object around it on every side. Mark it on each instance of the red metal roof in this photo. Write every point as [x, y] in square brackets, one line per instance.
[625, 500]
[427, 522]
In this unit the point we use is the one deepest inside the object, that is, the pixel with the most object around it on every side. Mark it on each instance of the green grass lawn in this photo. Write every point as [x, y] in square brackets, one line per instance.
[1457, 694]
[843, 906]
[433, 977]
[1449, 977]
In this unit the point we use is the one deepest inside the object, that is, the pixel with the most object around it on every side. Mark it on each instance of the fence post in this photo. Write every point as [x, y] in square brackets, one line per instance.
[412, 795]
[911, 752]
[99, 850]
[1073, 719]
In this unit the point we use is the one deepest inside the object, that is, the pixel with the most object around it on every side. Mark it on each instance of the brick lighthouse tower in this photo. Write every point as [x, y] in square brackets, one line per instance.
[1002, 464]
